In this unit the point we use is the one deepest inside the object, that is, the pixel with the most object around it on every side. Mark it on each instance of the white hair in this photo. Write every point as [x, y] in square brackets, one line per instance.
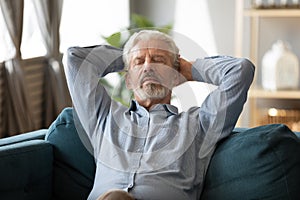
[146, 35]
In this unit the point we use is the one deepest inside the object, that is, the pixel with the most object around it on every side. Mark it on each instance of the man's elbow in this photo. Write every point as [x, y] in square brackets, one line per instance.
[247, 70]
[71, 60]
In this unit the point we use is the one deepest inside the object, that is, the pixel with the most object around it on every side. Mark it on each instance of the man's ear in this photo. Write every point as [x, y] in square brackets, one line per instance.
[177, 62]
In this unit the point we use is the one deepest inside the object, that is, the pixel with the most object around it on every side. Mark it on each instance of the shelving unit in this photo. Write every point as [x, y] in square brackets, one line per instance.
[282, 94]
[256, 114]
[272, 12]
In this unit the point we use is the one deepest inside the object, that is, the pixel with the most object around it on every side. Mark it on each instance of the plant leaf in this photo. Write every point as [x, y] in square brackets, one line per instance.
[139, 21]
[165, 29]
[114, 39]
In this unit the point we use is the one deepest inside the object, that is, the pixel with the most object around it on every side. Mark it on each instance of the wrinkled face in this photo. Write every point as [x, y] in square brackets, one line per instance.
[151, 74]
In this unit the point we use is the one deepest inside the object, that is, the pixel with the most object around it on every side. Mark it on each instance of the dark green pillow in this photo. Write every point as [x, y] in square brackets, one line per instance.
[259, 163]
[74, 165]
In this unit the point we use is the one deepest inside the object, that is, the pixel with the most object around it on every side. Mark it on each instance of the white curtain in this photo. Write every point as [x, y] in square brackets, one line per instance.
[57, 96]
[17, 114]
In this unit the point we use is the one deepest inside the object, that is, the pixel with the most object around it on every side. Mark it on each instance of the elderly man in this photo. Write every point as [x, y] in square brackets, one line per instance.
[149, 150]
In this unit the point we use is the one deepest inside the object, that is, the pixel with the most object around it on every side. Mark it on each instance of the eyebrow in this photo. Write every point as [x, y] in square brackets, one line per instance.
[158, 55]
[138, 58]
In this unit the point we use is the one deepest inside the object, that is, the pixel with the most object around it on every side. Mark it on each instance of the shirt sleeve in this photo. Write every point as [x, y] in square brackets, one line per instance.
[84, 66]
[220, 110]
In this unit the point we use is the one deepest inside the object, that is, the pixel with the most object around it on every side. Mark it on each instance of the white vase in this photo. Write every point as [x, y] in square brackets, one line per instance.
[280, 68]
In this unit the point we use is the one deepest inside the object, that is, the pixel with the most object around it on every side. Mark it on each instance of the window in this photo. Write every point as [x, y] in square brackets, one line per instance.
[7, 50]
[84, 22]
[32, 41]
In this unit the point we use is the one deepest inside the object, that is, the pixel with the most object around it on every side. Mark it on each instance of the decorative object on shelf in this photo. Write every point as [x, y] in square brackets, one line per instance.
[289, 117]
[280, 68]
[269, 4]
[293, 3]
[260, 4]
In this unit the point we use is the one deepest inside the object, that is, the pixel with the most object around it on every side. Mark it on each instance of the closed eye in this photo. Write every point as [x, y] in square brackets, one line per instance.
[158, 59]
[139, 61]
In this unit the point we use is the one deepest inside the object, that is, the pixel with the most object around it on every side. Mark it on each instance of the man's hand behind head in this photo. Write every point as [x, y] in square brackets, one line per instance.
[185, 69]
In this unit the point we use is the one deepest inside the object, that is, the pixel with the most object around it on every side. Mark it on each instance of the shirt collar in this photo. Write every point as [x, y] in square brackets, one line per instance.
[135, 107]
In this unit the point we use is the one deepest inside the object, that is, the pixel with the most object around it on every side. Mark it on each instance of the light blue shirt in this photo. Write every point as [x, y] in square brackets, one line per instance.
[160, 153]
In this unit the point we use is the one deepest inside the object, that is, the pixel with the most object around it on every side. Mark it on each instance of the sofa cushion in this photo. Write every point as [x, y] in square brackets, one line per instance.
[74, 166]
[259, 163]
[26, 170]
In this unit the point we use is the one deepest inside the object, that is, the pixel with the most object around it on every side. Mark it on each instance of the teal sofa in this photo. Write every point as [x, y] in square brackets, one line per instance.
[55, 163]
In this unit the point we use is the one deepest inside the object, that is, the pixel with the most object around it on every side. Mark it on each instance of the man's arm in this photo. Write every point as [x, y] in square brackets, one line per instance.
[221, 109]
[84, 66]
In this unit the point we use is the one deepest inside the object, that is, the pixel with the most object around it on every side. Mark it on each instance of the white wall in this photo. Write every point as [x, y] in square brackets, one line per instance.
[209, 23]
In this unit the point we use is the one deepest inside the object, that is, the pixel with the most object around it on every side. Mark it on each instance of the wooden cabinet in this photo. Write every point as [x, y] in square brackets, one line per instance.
[264, 106]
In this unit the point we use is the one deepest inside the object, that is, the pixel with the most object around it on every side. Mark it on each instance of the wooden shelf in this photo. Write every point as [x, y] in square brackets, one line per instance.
[258, 96]
[272, 12]
[280, 94]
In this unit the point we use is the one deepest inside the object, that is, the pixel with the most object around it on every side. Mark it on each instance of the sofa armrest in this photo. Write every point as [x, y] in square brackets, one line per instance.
[38, 134]
[26, 170]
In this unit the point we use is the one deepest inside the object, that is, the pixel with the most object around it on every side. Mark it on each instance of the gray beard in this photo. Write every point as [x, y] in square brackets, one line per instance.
[152, 91]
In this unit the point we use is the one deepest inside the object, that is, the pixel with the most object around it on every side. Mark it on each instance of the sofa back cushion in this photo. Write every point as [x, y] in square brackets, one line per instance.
[74, 166]
[259, 163]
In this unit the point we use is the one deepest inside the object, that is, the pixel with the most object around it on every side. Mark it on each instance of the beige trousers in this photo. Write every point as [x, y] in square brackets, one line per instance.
[116, 195]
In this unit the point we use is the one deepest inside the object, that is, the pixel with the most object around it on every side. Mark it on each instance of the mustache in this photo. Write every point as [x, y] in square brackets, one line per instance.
[149, 75]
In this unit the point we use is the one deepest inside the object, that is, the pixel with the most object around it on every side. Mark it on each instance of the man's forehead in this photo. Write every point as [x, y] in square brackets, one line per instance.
[153, 51]
[154, 45]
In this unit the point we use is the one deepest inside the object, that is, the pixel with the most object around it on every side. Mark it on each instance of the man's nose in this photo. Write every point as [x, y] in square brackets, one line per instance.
[148, 66]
